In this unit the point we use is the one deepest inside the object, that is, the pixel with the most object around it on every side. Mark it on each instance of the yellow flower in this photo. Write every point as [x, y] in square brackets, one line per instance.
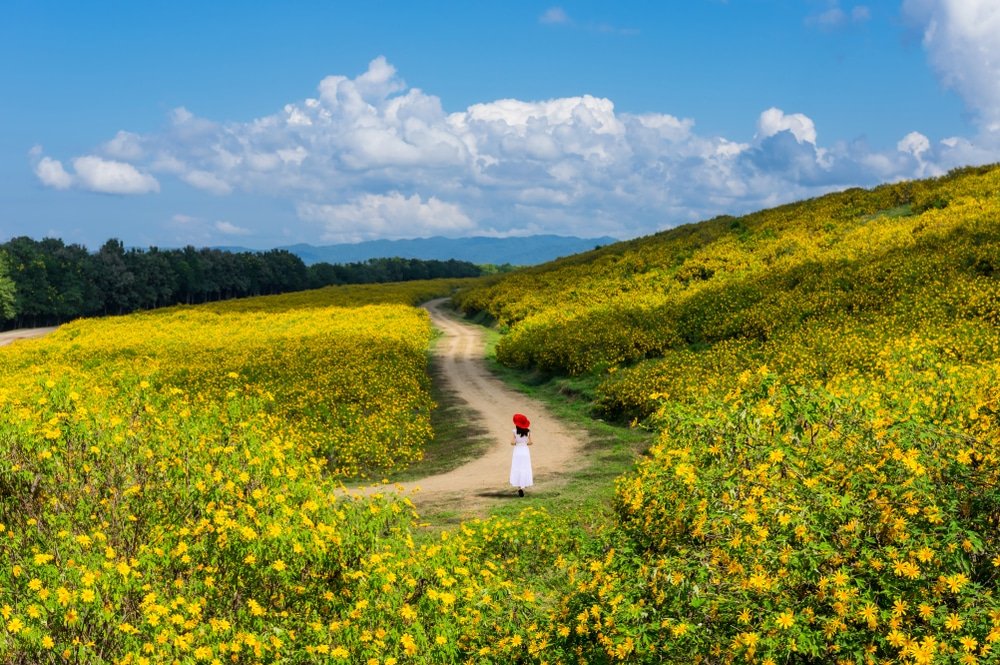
[409, 646]
[785, 620]
[255, 608]
[870, 614]
[955, 582]
[953, 622]
[969, 643]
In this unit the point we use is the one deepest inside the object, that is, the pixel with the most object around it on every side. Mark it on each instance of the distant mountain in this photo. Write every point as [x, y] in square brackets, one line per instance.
[530, 250]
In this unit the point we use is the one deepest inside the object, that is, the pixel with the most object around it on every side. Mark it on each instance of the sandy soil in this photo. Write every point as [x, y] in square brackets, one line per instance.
[24, 333]
[556, 448]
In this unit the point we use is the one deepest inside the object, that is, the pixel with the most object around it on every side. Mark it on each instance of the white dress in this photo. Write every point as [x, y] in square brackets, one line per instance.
[520, 466]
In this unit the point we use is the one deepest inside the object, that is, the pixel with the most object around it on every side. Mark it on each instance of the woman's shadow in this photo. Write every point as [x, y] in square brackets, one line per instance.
[501, 494]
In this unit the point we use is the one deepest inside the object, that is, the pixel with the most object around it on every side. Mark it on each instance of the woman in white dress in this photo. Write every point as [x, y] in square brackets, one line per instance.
[520, 466]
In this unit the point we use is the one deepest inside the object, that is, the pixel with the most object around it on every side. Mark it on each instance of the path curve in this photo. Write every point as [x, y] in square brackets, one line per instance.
[557, 447]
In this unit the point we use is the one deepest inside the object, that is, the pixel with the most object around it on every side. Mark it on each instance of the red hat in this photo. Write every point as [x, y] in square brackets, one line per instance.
[521, 420]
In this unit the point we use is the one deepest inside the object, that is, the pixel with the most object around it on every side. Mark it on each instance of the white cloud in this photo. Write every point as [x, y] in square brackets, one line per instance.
[370, 157]
[962, 44]
[914, 143]
[94, 174]
[206, 181]
[230, 229]
[125, 145]
[386, 216]
[774, 120]
[554, 15]
[112, 177]
[52, 174]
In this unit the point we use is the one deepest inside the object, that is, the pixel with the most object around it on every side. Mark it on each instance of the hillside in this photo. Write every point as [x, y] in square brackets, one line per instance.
[870, 266]
[824, 380]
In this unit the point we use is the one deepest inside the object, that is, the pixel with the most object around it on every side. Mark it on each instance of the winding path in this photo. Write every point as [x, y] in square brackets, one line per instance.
[557, 446]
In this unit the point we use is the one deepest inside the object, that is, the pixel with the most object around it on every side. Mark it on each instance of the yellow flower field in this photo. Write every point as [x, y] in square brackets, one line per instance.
[169, 492]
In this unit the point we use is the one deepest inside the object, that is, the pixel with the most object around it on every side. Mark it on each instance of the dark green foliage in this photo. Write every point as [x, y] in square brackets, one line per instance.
[377, 271]
[51, 282]
[48, 282]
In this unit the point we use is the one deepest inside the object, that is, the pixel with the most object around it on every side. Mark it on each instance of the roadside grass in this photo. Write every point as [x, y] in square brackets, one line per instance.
[611, 450]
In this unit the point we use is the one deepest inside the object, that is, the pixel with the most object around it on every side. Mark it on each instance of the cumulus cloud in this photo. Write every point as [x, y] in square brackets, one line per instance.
[386, 216]
[125, 145]
[370, 156]
[960, 37]
[914, 143]
[94, 174]
[52, 174]
[774, 120]
[108, 176]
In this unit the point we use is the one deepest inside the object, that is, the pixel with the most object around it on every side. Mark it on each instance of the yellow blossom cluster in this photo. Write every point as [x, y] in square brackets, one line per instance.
[169, 492]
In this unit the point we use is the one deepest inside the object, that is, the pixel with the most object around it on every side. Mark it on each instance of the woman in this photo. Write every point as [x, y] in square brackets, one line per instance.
[520, 466]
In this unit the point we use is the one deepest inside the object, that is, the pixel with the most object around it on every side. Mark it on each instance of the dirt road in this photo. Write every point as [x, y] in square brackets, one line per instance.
[23, 333]
[556, 449]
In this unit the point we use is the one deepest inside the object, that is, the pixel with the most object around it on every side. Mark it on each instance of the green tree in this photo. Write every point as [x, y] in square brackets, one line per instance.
[8, 292]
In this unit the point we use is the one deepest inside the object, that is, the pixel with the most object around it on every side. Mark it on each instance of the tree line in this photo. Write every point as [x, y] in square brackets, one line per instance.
[47, 282]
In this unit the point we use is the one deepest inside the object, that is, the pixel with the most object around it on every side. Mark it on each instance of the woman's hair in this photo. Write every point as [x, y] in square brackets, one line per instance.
[522, 431]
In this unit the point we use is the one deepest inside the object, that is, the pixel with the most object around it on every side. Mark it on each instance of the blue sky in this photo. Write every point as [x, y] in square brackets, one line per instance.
[268, 123]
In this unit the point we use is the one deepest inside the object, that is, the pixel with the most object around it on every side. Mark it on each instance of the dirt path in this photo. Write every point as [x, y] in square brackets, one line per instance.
[556, 449]
[23, 333]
